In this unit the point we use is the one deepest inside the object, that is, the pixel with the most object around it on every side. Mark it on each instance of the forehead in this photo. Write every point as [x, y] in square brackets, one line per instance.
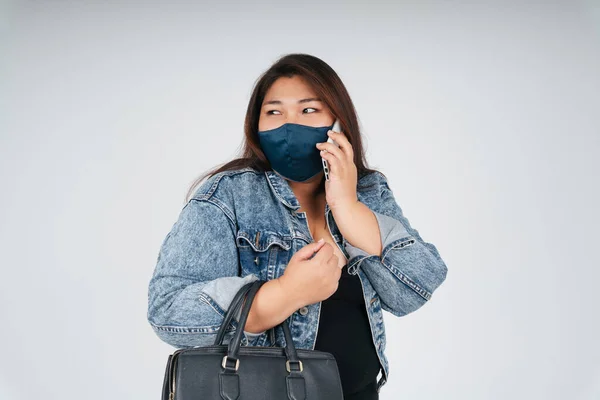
[290, 89]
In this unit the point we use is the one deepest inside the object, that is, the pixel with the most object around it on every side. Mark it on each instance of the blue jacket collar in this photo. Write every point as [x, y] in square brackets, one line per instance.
[282, 190]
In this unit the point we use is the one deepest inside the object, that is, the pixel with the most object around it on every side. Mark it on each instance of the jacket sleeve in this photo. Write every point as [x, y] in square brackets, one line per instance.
[408, 270]
[196, 278]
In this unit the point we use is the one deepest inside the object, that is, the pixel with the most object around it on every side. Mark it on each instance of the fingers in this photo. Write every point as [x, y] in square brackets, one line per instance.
[331, 148]
[333, 162]
[334, 261]
[337, 157]
[324, 253]
[343, 142]
[327, 255]
[308, 250]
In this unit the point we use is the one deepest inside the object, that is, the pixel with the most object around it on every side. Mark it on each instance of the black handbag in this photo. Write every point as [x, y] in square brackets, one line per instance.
[250, 372]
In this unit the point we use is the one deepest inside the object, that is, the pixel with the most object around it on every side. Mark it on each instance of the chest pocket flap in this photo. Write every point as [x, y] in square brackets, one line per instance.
[261, 240]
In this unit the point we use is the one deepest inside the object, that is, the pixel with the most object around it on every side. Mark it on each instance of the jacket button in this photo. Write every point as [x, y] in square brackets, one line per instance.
[256, 261]
[303, 310]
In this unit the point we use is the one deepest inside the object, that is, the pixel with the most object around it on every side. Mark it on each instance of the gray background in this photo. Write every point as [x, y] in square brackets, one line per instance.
[484, 117]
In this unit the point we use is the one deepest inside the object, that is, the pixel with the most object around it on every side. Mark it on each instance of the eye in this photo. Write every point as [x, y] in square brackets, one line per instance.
[272, 112]
[309, 108]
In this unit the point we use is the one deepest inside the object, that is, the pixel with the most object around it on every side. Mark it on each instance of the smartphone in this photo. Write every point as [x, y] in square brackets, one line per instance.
[336, 128]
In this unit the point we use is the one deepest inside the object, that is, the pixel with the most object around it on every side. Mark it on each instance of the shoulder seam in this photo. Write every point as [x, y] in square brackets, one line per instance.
[217, 203]
[217, 179]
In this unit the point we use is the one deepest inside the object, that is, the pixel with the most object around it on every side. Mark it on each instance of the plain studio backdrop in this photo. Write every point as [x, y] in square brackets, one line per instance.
[485, 117]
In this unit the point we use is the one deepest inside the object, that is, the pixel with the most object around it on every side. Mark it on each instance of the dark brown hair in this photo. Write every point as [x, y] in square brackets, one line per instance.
[328, 87]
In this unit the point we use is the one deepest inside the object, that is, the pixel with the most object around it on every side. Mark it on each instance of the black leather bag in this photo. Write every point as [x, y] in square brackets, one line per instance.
[250, 372]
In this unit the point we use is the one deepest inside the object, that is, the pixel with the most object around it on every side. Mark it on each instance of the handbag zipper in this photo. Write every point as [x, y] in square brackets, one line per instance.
[172, 371]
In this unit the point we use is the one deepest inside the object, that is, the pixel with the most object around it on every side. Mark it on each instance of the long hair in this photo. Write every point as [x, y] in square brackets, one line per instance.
[328, 87]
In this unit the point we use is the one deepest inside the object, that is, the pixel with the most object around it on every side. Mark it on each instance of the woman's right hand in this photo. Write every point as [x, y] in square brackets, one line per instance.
[310, 280]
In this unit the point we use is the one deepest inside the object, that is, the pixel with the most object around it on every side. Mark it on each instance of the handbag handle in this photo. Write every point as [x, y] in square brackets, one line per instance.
[235, 304]
[234, 345]
[233, 307]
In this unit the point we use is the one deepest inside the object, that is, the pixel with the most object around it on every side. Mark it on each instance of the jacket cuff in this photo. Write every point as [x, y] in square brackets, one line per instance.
[223, 290]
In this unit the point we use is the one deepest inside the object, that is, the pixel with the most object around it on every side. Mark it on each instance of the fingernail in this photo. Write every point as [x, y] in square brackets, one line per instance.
[320, 240]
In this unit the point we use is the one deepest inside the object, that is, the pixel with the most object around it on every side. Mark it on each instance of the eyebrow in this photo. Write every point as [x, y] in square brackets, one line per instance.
[308, 100]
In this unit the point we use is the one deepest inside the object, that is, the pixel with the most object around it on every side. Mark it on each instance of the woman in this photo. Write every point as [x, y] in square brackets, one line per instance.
[334, 253]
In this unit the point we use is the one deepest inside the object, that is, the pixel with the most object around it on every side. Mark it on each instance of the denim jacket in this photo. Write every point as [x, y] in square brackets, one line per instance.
[243, 225]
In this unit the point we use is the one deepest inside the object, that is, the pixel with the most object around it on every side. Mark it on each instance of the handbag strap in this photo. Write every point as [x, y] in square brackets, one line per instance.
[232, 310]
[233, 307]
[229, 380]
[234, 344]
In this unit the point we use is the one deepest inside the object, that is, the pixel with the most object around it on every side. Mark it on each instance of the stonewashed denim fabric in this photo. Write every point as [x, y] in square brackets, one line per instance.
[243, 225]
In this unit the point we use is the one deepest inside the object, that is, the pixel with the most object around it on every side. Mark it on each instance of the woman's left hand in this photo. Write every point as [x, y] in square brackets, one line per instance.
[340, 190]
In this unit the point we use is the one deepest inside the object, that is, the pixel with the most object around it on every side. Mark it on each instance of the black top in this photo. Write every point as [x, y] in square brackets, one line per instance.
[344, 332]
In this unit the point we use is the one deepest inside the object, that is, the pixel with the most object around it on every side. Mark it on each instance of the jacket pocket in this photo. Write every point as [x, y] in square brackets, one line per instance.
[262, 251]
